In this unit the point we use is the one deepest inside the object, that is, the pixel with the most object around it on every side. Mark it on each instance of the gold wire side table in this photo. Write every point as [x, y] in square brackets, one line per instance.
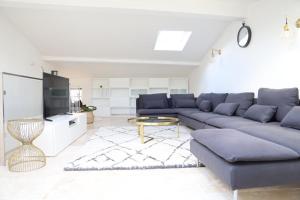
[141, 122]
[26, 157]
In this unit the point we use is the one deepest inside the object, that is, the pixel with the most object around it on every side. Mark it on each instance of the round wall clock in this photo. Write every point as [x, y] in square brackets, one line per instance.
[244, 36]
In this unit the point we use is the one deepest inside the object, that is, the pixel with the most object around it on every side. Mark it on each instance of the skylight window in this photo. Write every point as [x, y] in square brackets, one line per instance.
[172, 40]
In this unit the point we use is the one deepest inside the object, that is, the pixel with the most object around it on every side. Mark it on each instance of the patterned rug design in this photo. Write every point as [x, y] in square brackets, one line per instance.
[117, 148]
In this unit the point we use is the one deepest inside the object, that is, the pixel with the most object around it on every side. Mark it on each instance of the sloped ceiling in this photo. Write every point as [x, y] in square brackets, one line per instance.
[96, 38]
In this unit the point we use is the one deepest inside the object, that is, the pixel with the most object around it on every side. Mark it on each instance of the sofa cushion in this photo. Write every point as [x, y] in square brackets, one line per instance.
[152, 100]
[204, 116]
[292, 119]
[260, 113]
[245, 100]
[185, 103]
[203, 97]
[186, 111]
[284, 99]
[155, 104]
[156, 111]
[237, 146]
[287, 137]
[230, 122]
[178, 100]
[217, 98]
[214, 98]
[226, 108]
[205, 106]
[248, 175]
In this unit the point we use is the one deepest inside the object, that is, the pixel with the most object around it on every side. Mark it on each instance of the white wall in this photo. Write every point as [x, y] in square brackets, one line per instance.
[270, 61]
[17, 56]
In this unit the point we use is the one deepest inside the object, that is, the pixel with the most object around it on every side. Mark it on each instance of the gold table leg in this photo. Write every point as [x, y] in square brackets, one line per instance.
[141, 133]
[178, 130]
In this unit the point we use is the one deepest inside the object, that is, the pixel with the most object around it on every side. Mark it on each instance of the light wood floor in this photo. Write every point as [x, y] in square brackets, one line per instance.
[52, 183]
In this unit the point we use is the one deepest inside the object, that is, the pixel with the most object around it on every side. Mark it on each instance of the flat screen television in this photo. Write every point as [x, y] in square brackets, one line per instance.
[56, 95]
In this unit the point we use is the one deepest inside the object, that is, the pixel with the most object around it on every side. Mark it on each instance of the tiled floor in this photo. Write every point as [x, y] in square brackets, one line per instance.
[52, 183]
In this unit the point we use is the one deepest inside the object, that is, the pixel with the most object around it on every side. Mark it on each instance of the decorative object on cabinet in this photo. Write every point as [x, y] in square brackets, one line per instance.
[89, 110]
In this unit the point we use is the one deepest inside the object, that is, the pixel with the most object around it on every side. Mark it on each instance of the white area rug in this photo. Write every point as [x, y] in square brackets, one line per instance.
[116, 148]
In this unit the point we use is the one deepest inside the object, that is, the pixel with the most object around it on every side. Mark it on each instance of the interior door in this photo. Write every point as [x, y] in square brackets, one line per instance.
[23, 98]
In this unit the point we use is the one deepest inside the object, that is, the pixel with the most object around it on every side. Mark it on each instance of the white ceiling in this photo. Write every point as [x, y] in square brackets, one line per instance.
[84, 36]
[234, 8]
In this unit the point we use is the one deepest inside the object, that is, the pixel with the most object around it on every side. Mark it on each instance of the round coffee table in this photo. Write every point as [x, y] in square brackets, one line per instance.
[141, 122]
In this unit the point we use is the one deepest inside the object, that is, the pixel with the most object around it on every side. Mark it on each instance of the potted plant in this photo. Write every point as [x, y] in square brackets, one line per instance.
[89, 111]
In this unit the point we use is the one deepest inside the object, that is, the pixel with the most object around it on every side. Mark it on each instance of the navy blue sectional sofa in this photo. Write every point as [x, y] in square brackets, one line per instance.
[246, 142]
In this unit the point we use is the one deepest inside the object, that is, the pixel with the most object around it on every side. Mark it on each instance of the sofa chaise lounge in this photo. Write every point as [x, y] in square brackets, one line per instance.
[246, 142]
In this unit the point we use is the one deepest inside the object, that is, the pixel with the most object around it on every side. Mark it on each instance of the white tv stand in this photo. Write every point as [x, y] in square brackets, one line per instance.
[61, 132]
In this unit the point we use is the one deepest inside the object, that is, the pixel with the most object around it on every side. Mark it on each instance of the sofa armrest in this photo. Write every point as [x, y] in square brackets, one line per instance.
[138, 104]
[170, 104]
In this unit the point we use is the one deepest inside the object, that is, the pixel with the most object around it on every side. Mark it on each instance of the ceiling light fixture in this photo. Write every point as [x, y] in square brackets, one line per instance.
[172, 40]
[298, 23]
[286, 28]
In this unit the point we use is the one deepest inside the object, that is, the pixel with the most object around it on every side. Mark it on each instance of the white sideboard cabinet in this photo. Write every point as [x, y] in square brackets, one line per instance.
[61, 132]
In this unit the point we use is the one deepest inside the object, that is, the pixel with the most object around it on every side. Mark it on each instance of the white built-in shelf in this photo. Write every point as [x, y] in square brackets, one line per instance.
[120, 111]
[178, 83]
[121, 107]
[137, 92]
[139, 88]
[119, 82]
[100, 97]
[158, 90]
[120, 92]
[139, 83]
[103, 89]
[119, 102]
[100, 82]
[159, 83]
[101, 93]
[118, 95]
[178, 91]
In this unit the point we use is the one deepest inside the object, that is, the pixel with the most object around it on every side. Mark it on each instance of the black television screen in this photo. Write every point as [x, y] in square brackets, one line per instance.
[56, 95]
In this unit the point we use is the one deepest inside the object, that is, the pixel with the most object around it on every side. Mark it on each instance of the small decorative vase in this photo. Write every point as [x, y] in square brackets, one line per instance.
[90, 117]
[26, 157]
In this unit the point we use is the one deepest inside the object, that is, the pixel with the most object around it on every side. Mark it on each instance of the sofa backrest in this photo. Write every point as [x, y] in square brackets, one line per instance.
[245, 100]
[139, 103]
[284, 99]
[183, 101]
[154, 101]
[214, 98]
